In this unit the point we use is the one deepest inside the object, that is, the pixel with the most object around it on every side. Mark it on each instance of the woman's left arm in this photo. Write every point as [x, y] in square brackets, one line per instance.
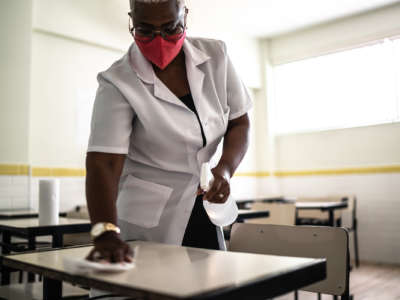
[236, 142]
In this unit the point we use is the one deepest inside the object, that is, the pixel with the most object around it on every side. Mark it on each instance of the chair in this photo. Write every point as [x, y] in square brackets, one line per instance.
[280, 213]
[352, 209]
[317, 217]
[75, 239]
[300, 241]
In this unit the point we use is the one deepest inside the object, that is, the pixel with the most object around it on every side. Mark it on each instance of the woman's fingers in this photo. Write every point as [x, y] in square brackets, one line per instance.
[118, 256]
[210, 195]
[110, 248]
[219, 191]
[224, 192]
[128, 254]
[90, 256]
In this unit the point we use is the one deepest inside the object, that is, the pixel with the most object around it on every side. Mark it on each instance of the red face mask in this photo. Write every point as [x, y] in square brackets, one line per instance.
[160, 51]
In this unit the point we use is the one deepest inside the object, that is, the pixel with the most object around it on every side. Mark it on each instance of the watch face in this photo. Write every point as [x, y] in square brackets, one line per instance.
[97, 229]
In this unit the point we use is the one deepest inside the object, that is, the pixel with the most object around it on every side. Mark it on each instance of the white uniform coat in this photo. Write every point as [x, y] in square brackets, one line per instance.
[136, 114]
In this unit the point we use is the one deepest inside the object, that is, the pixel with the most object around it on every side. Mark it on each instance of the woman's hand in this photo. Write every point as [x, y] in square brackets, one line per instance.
[109, 247]
[220, 189]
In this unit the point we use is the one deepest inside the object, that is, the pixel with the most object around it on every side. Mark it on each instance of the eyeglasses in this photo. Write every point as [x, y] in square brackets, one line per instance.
[170, 33]
[147, 35]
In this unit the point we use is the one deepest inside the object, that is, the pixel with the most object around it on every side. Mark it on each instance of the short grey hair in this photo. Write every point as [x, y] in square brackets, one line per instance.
[180, 3]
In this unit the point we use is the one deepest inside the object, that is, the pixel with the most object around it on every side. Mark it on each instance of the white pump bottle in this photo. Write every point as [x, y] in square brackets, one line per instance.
[220, 214]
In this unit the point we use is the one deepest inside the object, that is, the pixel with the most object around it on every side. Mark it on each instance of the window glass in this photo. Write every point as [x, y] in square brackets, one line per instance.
[345, 89]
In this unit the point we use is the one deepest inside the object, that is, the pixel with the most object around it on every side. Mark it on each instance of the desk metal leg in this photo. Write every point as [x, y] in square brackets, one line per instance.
[57, 240]
[52, 289]
[31, 247]
[5, 272]
[331, 218]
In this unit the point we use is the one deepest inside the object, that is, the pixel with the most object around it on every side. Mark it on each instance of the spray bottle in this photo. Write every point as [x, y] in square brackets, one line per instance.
[220, 214]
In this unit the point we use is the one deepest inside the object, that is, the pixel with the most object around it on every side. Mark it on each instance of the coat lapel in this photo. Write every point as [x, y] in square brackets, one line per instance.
[194, 59]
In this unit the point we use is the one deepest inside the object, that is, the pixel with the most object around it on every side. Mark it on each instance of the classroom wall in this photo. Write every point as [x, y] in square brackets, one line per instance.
[64, 86]
[377, 145]
[15, 53]
[363, 161]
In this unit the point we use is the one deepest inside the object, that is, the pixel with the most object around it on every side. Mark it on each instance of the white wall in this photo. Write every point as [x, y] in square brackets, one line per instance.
[362, 146]
[15, 52]
[63, 90]
[100, 22]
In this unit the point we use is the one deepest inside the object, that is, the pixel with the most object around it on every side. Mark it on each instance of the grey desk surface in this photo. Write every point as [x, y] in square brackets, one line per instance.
[21, 213]
[244, 214]
[34, 222]
[173, 271]
[321, 205]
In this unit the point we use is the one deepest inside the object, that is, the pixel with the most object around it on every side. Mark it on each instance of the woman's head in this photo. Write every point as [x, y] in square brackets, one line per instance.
[158, 13]
[159, 28]
[180, 4]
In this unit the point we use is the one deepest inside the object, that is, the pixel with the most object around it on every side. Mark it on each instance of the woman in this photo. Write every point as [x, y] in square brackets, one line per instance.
[160, 112]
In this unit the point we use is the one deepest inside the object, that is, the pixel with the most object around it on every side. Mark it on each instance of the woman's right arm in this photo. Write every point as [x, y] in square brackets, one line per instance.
[102, 179]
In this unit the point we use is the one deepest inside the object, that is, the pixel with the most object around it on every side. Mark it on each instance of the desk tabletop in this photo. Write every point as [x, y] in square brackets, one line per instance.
[176, 272]
[321, 205]
[21, 213]
[252, 214]
[34, 223]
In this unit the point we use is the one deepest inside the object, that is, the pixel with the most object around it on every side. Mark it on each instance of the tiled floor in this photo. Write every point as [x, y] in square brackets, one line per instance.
[368, 282]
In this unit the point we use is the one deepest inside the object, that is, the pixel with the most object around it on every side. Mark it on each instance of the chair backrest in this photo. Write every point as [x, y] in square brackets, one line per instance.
[351, 210]
[280, 213]
[317, 214]
[299, 241]
[74, 239]
[80, 212]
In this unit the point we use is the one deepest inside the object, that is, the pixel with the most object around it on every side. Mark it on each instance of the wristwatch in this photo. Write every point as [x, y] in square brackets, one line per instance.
[99, 228]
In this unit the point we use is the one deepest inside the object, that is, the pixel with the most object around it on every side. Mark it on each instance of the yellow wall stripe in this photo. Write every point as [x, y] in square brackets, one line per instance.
[252, 174]
[15, 170]
[343, 171]
[57, 172]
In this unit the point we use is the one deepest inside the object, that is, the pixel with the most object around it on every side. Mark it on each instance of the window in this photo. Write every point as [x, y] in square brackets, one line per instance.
[345, 89]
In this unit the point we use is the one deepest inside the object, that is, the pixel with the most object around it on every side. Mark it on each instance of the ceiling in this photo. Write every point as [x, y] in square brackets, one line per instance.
[266, 18]
[253, 18]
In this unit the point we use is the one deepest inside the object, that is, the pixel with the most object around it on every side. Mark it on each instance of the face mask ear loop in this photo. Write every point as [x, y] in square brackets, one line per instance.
[185, 18]
[129, 25]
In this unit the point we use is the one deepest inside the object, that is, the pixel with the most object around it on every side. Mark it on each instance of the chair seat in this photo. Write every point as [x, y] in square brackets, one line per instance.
[312, 221]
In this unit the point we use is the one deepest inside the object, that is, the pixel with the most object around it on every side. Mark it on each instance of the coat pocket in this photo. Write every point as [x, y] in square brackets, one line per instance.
[142, 202]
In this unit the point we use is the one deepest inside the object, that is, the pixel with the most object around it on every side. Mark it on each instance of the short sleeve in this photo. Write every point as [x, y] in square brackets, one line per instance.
[112, 117]
[238, 97]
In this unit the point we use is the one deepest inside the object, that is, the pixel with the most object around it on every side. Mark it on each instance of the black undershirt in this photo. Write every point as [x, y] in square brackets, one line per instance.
[200, 232]
[188, 101]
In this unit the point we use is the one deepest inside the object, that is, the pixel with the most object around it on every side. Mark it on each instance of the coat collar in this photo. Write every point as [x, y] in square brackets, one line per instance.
[143, 68]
